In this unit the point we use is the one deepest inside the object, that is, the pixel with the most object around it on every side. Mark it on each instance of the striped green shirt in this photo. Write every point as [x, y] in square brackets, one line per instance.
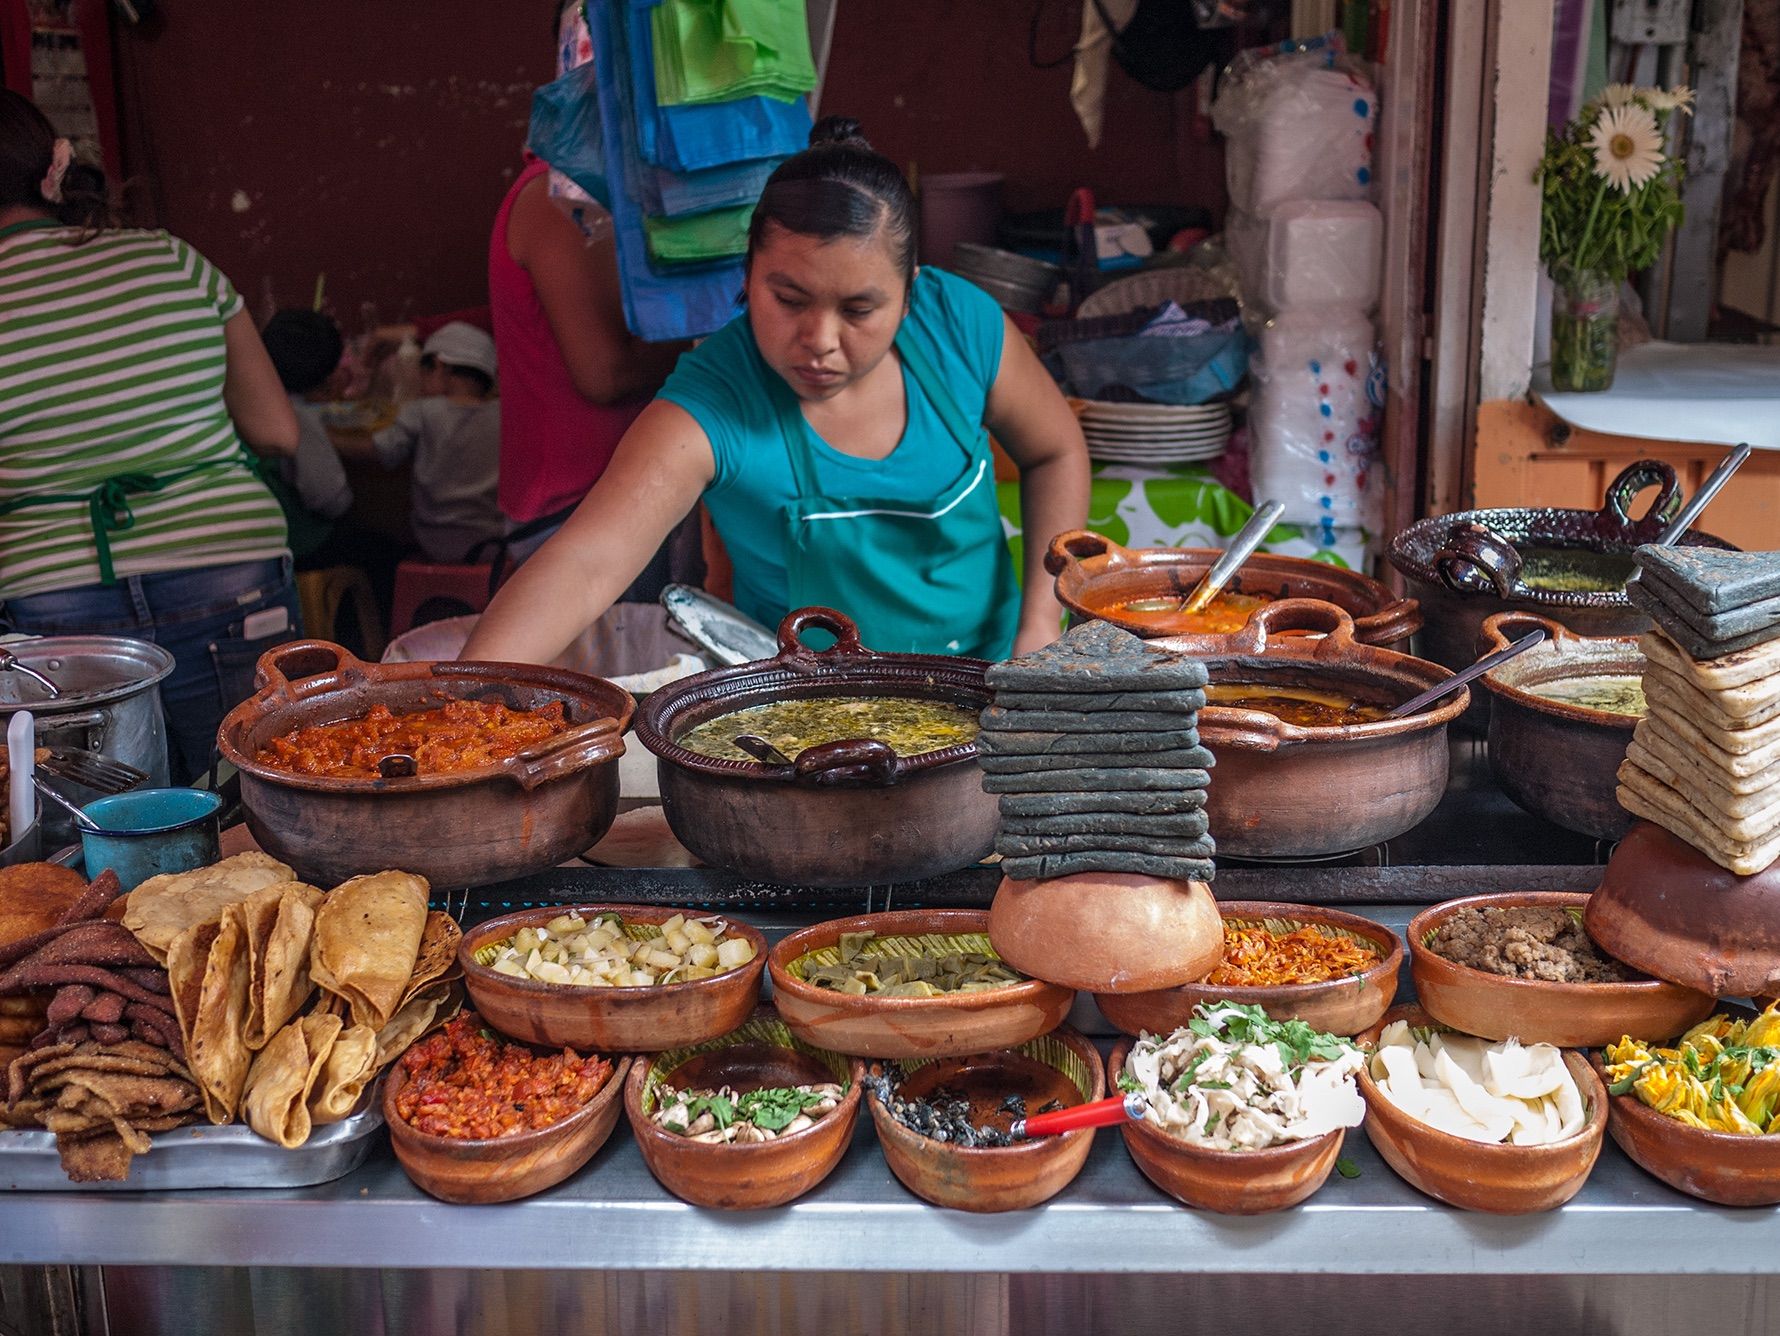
[112, 363]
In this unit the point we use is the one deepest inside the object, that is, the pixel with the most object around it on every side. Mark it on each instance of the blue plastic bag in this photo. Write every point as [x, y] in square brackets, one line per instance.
[565, 130]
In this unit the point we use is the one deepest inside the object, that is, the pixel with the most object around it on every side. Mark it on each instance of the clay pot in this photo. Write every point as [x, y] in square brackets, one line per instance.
[1665, 908]
[500, 821]
[1539, 1011]
[1344, 1006]
[1230, 1182]
[847, 813]
[759, 1055]
[1473, 1175]
[609, 1020]
[1108, 931]
[1280, 790]
[502, 1168]
[1096, 577]
[1558, 760]
[950, 1025]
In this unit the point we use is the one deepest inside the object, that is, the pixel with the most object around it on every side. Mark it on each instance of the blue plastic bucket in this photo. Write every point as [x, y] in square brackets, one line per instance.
[146, 832]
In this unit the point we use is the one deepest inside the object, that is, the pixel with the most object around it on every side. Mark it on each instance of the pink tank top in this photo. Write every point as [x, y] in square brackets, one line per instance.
[554, 443]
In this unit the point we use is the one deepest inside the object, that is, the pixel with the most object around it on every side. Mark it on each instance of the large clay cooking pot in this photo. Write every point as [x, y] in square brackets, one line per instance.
[1468, 566]
[1097, 578]
[1557, 759]
[505, 820]
[846, 813]
[1282, 790]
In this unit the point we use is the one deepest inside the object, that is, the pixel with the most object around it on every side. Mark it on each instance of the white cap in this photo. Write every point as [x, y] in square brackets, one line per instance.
[462, 344]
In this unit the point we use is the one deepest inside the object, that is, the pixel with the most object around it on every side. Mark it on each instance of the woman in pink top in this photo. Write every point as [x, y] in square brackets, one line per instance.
[573, 377]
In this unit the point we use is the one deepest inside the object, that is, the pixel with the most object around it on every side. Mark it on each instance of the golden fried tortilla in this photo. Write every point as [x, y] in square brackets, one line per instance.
[367, 936]
[280, 924]
[165, 906]
[208, 967]
[437, 956]
[430, 1006]
[276, 1100]
[351, 1064]
[33, 896]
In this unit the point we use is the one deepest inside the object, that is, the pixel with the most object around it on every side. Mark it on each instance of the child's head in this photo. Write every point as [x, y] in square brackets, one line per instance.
[305, 347]
[458, 359]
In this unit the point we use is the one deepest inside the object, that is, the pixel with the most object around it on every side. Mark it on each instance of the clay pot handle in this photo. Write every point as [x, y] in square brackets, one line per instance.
[578, 748]
[1501, 628]
[1292, 614]
[1222, 726]
[1391, 623]
[792, 650]
[1077, 545]
[1632, 480]
[297, 660]
[1477, 560]
[848, 761]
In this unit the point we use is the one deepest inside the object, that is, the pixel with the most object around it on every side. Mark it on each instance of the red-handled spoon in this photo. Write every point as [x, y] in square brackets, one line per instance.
[1099, 1113]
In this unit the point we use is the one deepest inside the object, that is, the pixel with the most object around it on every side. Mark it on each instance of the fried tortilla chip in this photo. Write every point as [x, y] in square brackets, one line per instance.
[208, 966]
[437, 957]
[276, 1101]
[280, 924]
[367, 935]
[163, 907]
[427, 1008]
[351, 1064]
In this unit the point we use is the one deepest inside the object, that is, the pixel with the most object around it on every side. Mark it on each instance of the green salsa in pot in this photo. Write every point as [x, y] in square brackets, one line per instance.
[909, 725]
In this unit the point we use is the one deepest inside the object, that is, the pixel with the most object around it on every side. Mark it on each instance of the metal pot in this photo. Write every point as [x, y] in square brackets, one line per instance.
[1467, 566]
[1095, 577]
[1558, 760]
[505, 820]
[1283, 790]
[846, 813]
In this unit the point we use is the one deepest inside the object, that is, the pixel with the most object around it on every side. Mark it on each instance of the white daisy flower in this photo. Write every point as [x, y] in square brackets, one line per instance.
[1628, 146]
[1678, 98]
[1619, 94]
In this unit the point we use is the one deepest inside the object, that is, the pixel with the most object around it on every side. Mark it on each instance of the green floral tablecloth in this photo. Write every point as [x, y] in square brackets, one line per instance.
[1183, 505]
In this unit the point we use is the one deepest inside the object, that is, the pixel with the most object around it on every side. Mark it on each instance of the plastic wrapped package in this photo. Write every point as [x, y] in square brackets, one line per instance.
[1324, 253]
[1300, 125]
[1314, 418]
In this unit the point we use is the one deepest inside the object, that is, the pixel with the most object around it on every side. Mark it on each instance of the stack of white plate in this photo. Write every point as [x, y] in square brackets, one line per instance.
[1155, 433]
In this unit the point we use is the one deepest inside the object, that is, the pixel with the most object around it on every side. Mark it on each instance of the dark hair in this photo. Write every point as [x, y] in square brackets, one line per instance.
[839, 187]
[27, 147]
[305, 347]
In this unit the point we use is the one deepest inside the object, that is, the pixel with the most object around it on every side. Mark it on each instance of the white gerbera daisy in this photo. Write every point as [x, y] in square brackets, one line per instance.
[1618, 94]
[1628, 146]
[1678, 98]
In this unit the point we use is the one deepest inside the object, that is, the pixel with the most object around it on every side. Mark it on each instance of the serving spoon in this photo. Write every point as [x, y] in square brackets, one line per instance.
[1098, 1113]
[761, 750]
[67, 804]
[1415, 704]
[1710, 488]
[1241, 548]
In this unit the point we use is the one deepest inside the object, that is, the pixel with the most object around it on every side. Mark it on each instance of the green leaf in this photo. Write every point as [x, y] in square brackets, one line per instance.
[1347, 1168]
[774, 1108]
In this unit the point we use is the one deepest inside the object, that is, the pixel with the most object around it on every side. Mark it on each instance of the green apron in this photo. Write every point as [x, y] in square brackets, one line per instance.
[933, 580]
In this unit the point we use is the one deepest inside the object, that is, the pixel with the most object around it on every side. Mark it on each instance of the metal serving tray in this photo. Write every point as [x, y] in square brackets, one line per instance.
[203, 1156]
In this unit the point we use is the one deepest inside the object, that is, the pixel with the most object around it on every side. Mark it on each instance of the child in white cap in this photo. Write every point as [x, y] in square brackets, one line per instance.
[452, 434]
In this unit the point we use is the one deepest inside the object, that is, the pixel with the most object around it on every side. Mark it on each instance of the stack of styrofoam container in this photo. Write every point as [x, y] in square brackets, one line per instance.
[1307, 241]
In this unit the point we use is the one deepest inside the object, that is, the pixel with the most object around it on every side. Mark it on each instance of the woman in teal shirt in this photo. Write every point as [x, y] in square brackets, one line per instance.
[835, 431]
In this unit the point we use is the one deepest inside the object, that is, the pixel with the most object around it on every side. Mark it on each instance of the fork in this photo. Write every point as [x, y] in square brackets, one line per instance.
[100, 773]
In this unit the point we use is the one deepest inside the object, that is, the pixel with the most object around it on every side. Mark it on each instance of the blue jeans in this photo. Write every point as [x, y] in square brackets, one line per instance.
[198, 616]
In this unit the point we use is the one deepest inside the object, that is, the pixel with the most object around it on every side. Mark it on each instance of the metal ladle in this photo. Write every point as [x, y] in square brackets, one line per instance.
[1241, 548]
[1417, 703]
[1710, 488]
[9, 663]
[761, 750]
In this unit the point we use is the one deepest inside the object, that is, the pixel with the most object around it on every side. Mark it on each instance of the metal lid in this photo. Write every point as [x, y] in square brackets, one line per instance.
[89, 669]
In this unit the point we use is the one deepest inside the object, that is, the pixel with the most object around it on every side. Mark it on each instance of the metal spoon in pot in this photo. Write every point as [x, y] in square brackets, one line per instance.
[67, 804]
[1415, 704]
[1241, 548]
[1715, 480]
[761, 750]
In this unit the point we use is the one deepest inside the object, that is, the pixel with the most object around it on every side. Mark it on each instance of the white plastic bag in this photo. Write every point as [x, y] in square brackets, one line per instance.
[1324, 253]
[1300, 125]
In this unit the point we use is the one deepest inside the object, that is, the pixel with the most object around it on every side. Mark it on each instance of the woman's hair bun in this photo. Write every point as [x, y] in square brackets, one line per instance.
[842, 130]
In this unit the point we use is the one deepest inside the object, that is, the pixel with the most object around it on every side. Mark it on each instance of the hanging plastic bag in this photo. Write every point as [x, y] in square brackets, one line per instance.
[565, 130]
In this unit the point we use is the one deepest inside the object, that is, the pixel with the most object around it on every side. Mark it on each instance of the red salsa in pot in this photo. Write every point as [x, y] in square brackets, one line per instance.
[459, 735]
[466, 1082]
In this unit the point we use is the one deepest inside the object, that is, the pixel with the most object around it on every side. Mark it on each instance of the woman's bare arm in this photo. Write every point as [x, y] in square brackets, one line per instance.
[1033, 422]
[661, 468]
[253, 393]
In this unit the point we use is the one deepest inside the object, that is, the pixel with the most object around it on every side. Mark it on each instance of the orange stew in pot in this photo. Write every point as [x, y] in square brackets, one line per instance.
[1226, 613]
[460, 735]
[466, 1082]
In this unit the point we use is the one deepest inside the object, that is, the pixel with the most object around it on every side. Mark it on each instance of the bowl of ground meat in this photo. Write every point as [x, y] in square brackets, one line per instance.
[1520, 965]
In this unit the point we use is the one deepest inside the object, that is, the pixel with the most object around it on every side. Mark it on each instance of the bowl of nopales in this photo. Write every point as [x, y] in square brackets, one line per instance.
[1702, 1114]
[613, 978]
[1484, 1125]
[1244, 1114]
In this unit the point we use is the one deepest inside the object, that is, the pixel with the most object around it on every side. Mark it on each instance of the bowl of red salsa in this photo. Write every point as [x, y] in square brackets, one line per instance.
[475, 1117]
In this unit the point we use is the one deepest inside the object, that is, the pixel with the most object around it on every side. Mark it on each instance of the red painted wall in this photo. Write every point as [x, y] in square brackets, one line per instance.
[373, 140]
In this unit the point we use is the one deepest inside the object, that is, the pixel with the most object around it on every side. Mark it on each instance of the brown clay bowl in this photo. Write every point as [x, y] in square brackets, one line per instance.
[1342, 1006]
[502, 1168]
[1229, 1182]
[952, 1025]
[1718, 1167]
[609, 1020]
[1569, 1015]
[1107, 931]
[1000, 1178]
[759, 1054]
[1472, 1175]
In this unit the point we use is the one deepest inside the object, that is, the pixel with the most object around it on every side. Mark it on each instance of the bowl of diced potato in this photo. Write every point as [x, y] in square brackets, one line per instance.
[613, 978]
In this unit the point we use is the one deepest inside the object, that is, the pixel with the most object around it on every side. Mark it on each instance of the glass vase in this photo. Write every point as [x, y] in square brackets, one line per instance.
[1584, 329]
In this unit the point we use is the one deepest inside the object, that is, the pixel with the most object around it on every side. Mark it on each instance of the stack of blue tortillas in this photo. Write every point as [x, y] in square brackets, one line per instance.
[1092, 745]
[1704, 762]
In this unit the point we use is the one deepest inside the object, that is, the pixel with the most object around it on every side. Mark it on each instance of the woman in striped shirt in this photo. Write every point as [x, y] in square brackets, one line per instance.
[130, 376]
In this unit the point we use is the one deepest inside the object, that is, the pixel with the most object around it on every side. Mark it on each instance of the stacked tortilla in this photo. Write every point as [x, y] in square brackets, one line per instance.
[1093, 746]
[1705, 761]
[291, 1000]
